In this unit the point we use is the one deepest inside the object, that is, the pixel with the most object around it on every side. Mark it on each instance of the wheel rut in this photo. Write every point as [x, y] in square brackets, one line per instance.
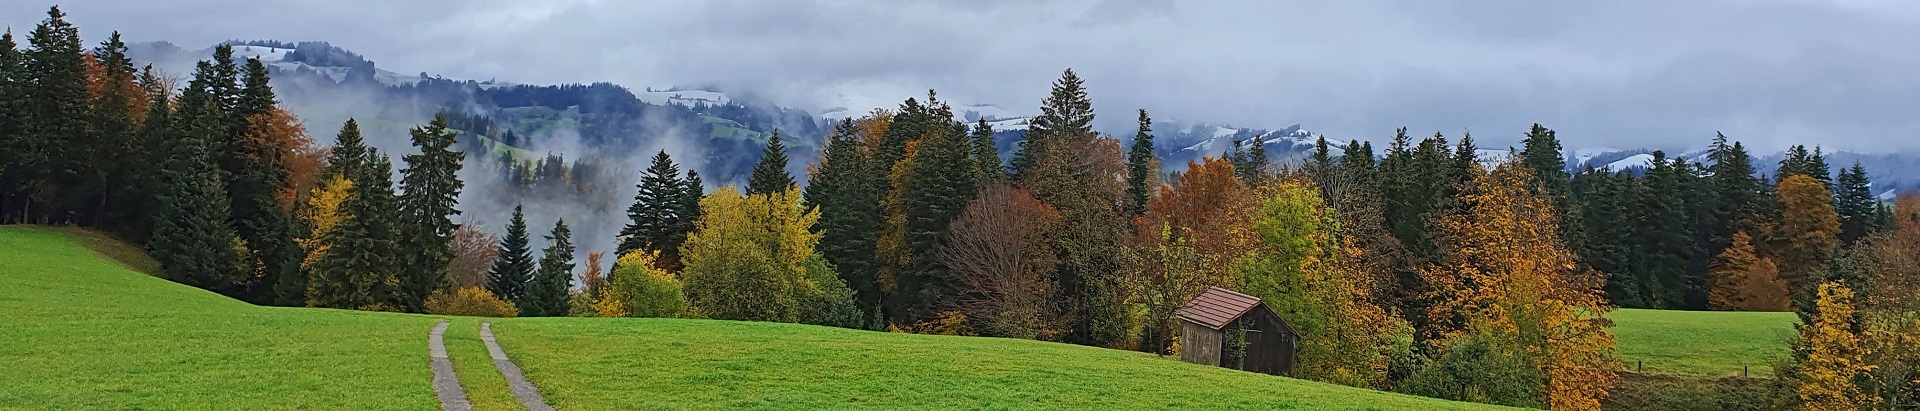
[446, 387]
[516, 381]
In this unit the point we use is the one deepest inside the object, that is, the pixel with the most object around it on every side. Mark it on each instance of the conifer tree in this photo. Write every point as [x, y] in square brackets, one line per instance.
[770, 174]
[53, 151]
[1257, 157]
[191, 238]
[655, 213]
[1140, 165]
[942, 184]
[360, 268]
[1662, 240]
[842, 190]
[513, 269]
[690, 201]
[1739, 197]
[1077, 172]
[111, 123]
[430, 192]
[1854, 201]
[1066, 112]
[547, 293]
[349, 152]
[12, 90]
[986, 156]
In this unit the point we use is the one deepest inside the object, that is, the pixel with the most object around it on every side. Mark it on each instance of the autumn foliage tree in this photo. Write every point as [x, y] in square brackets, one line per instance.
[1745, 282]
[751, 257]
[1807, 236]
[1304, 270]
[1506, 278]
[1192, 231]
[999, 254]
[1834, 354]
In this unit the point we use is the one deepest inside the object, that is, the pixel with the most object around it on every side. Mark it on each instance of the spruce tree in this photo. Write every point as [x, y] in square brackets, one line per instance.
[349, 152]
[431, 190]
[1540, 152]
[1855, 203]
[361, 267]
[842, 190]
[770, 174]
[942, 184]
[1066, 112]
[191, 238]
[1739, 196]
[54, 151]
[986, 156]
[257, 174]
[514, 267]
[1140, 165]
[654, 218]
[1661, 239]
[1257, 157]
[12, 89]
[547, 293]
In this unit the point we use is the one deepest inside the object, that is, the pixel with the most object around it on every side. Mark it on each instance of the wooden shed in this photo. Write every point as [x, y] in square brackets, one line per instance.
[1238, 331]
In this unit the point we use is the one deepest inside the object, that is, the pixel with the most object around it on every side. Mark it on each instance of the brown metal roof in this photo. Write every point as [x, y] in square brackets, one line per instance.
[1216, 307]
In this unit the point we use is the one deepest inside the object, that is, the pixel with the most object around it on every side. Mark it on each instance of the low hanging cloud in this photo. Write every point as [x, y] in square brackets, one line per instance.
[1658, 74]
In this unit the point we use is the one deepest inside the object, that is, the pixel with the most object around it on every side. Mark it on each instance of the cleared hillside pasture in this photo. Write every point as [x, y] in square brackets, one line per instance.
[703, 364]
[1702, 343]
[85, 332]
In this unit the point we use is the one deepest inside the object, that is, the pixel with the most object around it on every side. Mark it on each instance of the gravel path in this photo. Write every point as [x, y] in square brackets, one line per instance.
[445, 385]
[516, 381]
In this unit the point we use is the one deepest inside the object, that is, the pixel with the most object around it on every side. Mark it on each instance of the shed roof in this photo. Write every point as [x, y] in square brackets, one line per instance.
[1216, 307]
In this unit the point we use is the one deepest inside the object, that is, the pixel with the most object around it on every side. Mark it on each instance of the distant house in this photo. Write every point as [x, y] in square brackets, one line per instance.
[1238, 331]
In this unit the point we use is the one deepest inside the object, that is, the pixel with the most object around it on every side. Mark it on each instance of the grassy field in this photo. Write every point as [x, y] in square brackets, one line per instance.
[695, 364]
[1702, 343]
[86, 332]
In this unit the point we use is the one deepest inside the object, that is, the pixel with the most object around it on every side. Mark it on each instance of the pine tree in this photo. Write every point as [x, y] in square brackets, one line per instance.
[842, 190]
[1065, 113]
[1854, 201]
[547, 293]
[1140, 165]
[770, 175]
[655, 213]
[986, 156]
[513, 269]
[431, 190]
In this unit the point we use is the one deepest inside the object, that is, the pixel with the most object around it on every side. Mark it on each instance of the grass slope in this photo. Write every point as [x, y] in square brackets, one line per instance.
[1702, 343]
[85, 332]
[701, 364]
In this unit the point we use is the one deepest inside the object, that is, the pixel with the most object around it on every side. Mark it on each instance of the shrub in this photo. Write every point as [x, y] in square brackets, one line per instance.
[829, 302]
[469, 301]
[637, 288]
[1476, 370]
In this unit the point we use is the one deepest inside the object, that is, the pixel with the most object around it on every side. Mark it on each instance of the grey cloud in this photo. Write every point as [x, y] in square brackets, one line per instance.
[1662, 74]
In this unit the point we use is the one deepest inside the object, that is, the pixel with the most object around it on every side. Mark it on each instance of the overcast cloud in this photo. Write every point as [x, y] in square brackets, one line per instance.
[1661, 74]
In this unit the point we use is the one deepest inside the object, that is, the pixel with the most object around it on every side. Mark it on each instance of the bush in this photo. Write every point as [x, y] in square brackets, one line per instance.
[1476, 370]
[469, 301]
[638, 289]
[829, 302]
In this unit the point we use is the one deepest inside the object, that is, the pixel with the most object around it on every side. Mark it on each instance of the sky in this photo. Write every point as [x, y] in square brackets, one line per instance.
[1626, 74]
